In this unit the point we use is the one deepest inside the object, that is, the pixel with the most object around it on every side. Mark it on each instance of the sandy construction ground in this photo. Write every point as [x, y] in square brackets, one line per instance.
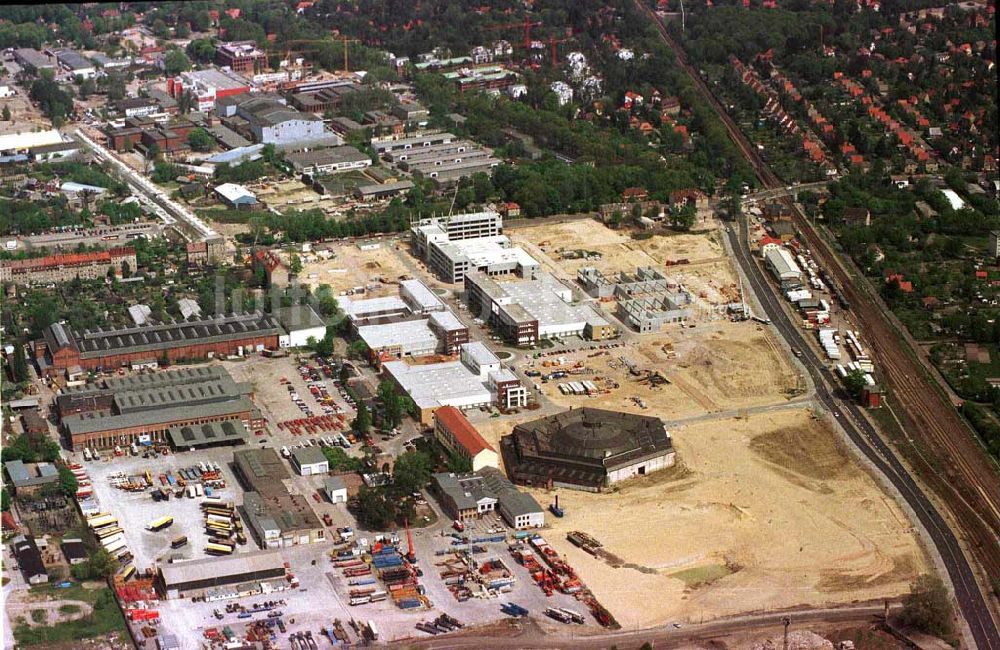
[765, 512]
[708, 273]
[352, 267]
[713, 367]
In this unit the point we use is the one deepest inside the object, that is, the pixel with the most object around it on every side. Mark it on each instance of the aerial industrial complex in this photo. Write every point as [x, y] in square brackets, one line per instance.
[330, 326]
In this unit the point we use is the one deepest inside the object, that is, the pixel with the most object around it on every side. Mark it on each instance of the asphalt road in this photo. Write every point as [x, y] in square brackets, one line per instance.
[971, 602]
[531, 636]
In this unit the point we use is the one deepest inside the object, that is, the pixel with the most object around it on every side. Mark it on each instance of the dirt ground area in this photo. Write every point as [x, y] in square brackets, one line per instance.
[293, 195]
[557, 244]
[352, 267]
[561, 248]
[712, 367]
[20, 604]
[23, 116]
[765, 512]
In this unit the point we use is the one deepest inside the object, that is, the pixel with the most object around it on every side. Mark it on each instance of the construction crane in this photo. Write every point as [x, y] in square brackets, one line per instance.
[553, 41]
[411, 555]
[344, 39]
[526, 26]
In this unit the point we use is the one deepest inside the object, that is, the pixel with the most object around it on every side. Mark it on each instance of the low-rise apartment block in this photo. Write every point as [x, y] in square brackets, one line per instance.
[66, 267]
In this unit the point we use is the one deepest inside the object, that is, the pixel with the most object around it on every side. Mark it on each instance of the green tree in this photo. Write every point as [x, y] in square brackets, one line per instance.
[176, 62]
[68, 484]
[928, 607]
[19, 366]
[182, 30]
[100, 564]
[374, 510]
[295, 264]
[200, 140]
[854, 383]
[159, 29]
[4, 500]
[185, 102]
[326, 302]
[343, 375]
[392, 404]
[357, 350]
[362, 422]
[6, 113]
[411, 472]
[683, 218]
[340, 461]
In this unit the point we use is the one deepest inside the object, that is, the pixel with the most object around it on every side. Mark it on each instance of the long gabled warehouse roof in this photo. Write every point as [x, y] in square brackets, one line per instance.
[152, 338]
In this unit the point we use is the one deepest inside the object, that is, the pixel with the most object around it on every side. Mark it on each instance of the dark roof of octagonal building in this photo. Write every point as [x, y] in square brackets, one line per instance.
[594, 437]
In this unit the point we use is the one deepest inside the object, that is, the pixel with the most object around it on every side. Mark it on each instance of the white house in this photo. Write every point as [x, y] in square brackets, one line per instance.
[563, 91]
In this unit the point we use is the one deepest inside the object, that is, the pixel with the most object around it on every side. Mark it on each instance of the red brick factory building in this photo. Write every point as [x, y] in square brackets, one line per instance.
[61, 350]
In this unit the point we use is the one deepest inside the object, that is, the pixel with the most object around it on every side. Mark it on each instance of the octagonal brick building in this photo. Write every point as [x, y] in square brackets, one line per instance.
[586, 449]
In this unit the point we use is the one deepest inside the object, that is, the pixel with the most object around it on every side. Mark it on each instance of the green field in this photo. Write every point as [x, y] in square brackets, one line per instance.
[105, 618]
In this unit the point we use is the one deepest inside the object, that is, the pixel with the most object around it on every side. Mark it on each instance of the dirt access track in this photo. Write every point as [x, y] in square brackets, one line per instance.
[761, 513]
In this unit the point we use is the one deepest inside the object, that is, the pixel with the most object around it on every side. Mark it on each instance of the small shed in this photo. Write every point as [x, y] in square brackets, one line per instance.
[74, 550]
[335, 489]
[309, 461]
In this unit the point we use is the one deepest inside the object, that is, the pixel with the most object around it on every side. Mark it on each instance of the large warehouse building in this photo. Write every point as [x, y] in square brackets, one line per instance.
[414, 323]
[192, 577]
[476, 379]
[586, 449]
[524, 312]
[61, 349]
[470, 496]
[275, 517]
[187, 408]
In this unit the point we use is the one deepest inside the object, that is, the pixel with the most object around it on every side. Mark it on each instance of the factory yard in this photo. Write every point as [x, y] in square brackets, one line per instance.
[134, 510]
[752, 518]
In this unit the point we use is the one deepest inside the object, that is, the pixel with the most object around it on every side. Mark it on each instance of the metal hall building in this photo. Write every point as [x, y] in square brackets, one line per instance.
[586, 449]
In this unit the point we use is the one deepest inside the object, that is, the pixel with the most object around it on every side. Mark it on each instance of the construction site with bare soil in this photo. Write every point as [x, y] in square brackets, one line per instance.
[754, 516]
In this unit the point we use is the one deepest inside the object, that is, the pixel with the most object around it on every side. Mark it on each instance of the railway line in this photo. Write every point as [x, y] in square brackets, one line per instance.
[961, 475]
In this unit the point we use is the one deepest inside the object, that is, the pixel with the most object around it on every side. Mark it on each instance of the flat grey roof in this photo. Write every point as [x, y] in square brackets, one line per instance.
[210, 433]
[331, 156]
[308, 455]
[397, 186]
[436, 384]
[421, 294]
[411, 332]
[21, 476]
[299, 317]
[221, 568]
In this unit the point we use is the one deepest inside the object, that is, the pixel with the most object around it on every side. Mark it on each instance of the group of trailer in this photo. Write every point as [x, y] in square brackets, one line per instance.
[585, 387]
[222, 526]
[111, 537]
[443, 624]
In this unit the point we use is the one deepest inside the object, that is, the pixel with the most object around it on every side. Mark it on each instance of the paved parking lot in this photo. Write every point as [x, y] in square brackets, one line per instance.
[136, 509]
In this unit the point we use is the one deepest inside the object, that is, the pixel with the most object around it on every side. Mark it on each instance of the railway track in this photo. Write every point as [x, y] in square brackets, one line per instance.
[960, 475]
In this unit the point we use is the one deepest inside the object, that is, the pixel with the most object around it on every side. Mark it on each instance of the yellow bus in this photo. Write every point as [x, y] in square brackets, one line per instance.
[128, 572]
[101, 520]
[213, 548]
[159, 524]
[108, 531]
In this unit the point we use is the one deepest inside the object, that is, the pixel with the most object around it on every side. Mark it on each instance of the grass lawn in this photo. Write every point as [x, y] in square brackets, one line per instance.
[105, 618]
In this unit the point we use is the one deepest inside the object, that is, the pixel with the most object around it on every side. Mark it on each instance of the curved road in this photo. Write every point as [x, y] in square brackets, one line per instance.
[861, 432]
